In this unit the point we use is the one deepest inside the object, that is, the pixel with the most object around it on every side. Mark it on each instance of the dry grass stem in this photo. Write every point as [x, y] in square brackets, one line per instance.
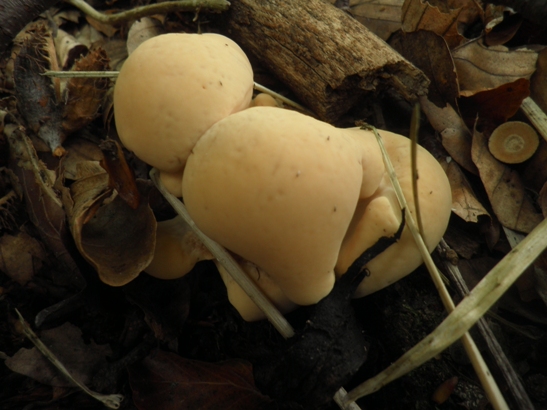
[536, 116]
[112, 401]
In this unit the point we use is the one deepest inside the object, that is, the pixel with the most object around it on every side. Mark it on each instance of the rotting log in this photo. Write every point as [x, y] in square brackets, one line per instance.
[327, 58]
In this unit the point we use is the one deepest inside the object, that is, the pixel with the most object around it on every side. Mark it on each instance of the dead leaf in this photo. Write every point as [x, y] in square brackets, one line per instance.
[82, 97]
[456, 137]
[169, 382]
[21, 256]
[419, 15]
[382, 17]
[42, 203]
[115, 239]
[496, 105]
[82, 360]
[464, 202]
[504, 188]
[120, 176]
[482, 68]
[429, 52]
[500, 25]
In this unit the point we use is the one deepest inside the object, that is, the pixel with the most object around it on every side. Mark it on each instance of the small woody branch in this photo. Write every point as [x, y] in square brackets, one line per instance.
[216, 6]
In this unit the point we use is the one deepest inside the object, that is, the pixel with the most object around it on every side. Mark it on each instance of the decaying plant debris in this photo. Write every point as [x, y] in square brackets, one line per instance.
[78, 213]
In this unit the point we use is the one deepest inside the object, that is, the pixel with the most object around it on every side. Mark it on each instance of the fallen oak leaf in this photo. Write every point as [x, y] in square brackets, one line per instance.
[166, 381]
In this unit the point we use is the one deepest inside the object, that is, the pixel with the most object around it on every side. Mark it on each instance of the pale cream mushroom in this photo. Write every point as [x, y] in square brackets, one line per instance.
[379, 214]
[171, 90]
[264, 100]
[177, 250]
[248, 310]
[513, 142]
[279, 189]
[291, 193]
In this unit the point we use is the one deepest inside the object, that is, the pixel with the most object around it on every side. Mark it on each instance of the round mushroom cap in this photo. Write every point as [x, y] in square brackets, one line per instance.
[173, 88]
[279, 189]
[513, 142]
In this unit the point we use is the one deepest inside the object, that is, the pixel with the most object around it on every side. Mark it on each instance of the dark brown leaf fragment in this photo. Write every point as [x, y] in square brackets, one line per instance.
[169, 382]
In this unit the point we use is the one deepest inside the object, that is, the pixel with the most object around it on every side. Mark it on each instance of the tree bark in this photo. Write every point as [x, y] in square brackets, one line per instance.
[328, 59]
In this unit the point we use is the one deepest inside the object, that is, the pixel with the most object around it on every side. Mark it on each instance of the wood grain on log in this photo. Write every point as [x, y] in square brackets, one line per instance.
[328, 59]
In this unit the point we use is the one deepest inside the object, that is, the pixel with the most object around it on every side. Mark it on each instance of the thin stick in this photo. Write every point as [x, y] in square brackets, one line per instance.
[112, 401]
[150, 9]
[536, 116]
[414, 131]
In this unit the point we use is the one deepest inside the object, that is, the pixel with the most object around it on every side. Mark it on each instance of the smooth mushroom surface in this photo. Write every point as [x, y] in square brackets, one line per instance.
[177, 250]
[513, 142]
[172, 89]
[302, 199]
[279, 189]
[248, 310]
[380, 215]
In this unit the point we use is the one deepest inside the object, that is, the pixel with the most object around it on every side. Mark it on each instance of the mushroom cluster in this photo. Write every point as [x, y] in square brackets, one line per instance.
[295, 199]
[302, 200]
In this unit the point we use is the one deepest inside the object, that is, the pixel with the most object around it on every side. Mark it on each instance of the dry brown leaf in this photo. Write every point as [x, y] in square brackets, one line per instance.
[21, 256]
[482, 68]
[82, 159]
[430, 54]
[496, 105]
[464, 202]
[169, 382]
[497, 33]
[82, 97]
[115, 239]
[419, 15]
[81, 359]
[43, 205]
[120, 176]
[428, 51]
[504, 187]
[456, 138]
